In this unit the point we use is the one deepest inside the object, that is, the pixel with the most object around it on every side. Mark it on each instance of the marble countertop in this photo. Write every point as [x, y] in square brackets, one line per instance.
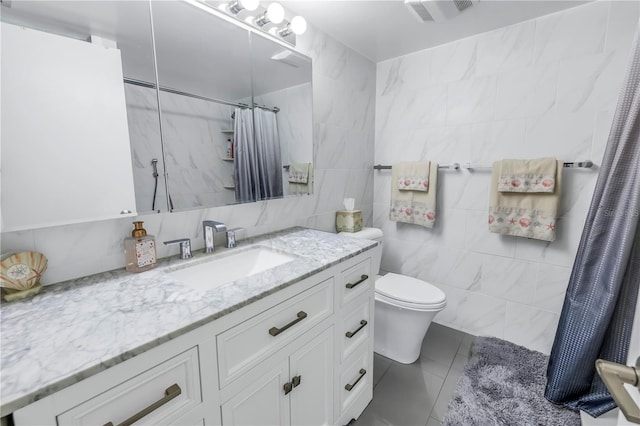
[76, 329]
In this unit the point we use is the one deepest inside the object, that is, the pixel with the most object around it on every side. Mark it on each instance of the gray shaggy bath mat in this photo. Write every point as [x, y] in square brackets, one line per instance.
[503, 384]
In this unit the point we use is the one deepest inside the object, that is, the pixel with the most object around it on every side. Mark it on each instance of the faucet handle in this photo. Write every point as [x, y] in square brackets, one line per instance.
[185, 247]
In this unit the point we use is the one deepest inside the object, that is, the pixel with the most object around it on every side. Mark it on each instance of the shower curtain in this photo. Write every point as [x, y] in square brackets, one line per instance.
[244, 164]
[597, 314]
[269, 165]
[257, 165]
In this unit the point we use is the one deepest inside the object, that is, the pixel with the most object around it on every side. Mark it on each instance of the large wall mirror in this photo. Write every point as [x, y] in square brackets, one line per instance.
[215, 115]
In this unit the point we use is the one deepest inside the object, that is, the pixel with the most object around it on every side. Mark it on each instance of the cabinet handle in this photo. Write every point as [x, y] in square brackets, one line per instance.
[170, 393]
[362, 373]
[350, 334]
[295, 382]
[362, 279]
[274, 331]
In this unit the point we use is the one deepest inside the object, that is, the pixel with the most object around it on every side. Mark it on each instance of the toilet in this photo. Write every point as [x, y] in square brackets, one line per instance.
[404, 308]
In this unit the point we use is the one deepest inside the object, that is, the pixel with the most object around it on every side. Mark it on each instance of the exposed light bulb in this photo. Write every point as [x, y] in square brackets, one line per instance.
[274, 14]
[298, 25]
[238, 5]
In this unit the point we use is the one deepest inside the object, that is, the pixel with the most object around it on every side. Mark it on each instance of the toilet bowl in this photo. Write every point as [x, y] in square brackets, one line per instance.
[404, 308]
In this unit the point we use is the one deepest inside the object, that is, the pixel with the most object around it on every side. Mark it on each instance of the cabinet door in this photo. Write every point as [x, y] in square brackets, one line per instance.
[263, 403]
[312, 398]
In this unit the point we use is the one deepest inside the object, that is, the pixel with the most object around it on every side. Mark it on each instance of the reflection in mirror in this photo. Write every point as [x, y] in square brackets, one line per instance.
[282, 78]
[219, 150]
[85, 135]
[204, 74]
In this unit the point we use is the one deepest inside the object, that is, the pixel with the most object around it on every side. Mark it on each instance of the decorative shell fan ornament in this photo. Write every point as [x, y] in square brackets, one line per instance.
[20, 275]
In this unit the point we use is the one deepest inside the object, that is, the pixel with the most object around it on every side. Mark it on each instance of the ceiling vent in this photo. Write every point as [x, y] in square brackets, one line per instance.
[437, 10]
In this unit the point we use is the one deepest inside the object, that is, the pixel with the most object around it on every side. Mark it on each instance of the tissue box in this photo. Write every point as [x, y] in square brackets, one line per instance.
[349, 221]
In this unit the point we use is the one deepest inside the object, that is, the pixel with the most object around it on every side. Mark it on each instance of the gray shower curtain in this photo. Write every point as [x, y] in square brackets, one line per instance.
[598, 310]
[269, 165]
[244, 156]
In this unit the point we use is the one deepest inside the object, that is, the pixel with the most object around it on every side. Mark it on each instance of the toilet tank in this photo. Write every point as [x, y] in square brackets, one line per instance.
[374, 234]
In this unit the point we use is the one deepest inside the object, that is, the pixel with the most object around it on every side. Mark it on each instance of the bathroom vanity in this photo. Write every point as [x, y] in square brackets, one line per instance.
[290, 345]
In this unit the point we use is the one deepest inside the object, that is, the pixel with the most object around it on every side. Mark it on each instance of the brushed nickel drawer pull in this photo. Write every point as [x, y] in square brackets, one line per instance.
[295, 382]
[287, 388]
[274, 331]
[170, 393]
[362, 373]
[350, 334]
[363, 278]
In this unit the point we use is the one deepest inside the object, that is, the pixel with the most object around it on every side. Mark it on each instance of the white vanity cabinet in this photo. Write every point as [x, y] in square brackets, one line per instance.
[299, 356]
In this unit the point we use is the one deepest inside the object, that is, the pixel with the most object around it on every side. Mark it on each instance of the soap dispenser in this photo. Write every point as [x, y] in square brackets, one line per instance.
[140, 250]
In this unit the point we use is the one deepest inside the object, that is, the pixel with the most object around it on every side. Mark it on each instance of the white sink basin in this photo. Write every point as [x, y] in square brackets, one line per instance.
[232, 267]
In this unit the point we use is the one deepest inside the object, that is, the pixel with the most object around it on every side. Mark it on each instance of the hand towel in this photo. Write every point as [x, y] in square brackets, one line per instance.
[416, 207]
[300, 188]
[530, 215]
[299, 172]
[538, 175]
[413, 176]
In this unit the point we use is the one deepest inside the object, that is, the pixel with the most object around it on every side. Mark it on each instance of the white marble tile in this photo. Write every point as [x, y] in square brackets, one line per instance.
[480, 240]
[591, 82]
[473, 312]
[622, 25]
[454, 61]
[404, 257]
[572, 33]
[495, 140]
[526, 92]
[15, 242]
[452, 267]
[471, 100]
[551, 287]
[505, 48]
[330, 186]
[412, 70]
[564, 136]
[465, 190]
[530, 327]
[510, 279]
[446, 145]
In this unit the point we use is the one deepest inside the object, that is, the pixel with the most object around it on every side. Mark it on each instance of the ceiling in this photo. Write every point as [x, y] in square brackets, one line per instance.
[384, 29]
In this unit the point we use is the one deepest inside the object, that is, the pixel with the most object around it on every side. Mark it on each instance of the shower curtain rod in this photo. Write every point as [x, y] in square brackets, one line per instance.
[190, 95]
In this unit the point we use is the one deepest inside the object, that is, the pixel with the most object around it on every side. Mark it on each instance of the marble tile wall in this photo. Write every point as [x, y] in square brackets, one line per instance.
[546, 87]
[343, 107]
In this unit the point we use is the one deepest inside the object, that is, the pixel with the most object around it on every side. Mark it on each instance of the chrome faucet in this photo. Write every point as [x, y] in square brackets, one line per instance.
[185, 247]
[209, 226]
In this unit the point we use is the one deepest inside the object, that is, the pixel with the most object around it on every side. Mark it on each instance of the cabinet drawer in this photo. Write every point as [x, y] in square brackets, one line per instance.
[356, 326]
[246, 344]
[355, 281]
[356, 381]
[167, 392]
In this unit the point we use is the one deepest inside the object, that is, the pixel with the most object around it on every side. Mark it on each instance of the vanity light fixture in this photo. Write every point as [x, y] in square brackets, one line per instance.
[237, 5]
[298, 26]
[273, 14]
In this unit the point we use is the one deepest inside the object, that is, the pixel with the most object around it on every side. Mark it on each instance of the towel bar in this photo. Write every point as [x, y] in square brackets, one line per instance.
[567, 165]
[454, 166]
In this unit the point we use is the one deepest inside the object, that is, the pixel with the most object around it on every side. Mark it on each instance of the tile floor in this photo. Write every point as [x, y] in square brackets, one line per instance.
[418, 394]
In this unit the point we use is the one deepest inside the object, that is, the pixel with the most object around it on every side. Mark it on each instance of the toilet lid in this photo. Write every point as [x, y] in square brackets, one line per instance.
[409, 290]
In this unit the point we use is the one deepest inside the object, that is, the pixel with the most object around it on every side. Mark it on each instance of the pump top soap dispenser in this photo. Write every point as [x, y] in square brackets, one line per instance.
[140, 250]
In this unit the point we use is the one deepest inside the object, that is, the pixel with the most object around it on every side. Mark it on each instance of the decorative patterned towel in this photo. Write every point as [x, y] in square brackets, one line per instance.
[296, 188]
[299, 172]
[416, 207]
[524, 215]
[537, 175]
[413, 176]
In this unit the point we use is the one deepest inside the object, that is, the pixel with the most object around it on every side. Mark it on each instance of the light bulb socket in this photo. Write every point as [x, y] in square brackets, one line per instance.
[262, 20]
[285, 31]
[235, 7]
